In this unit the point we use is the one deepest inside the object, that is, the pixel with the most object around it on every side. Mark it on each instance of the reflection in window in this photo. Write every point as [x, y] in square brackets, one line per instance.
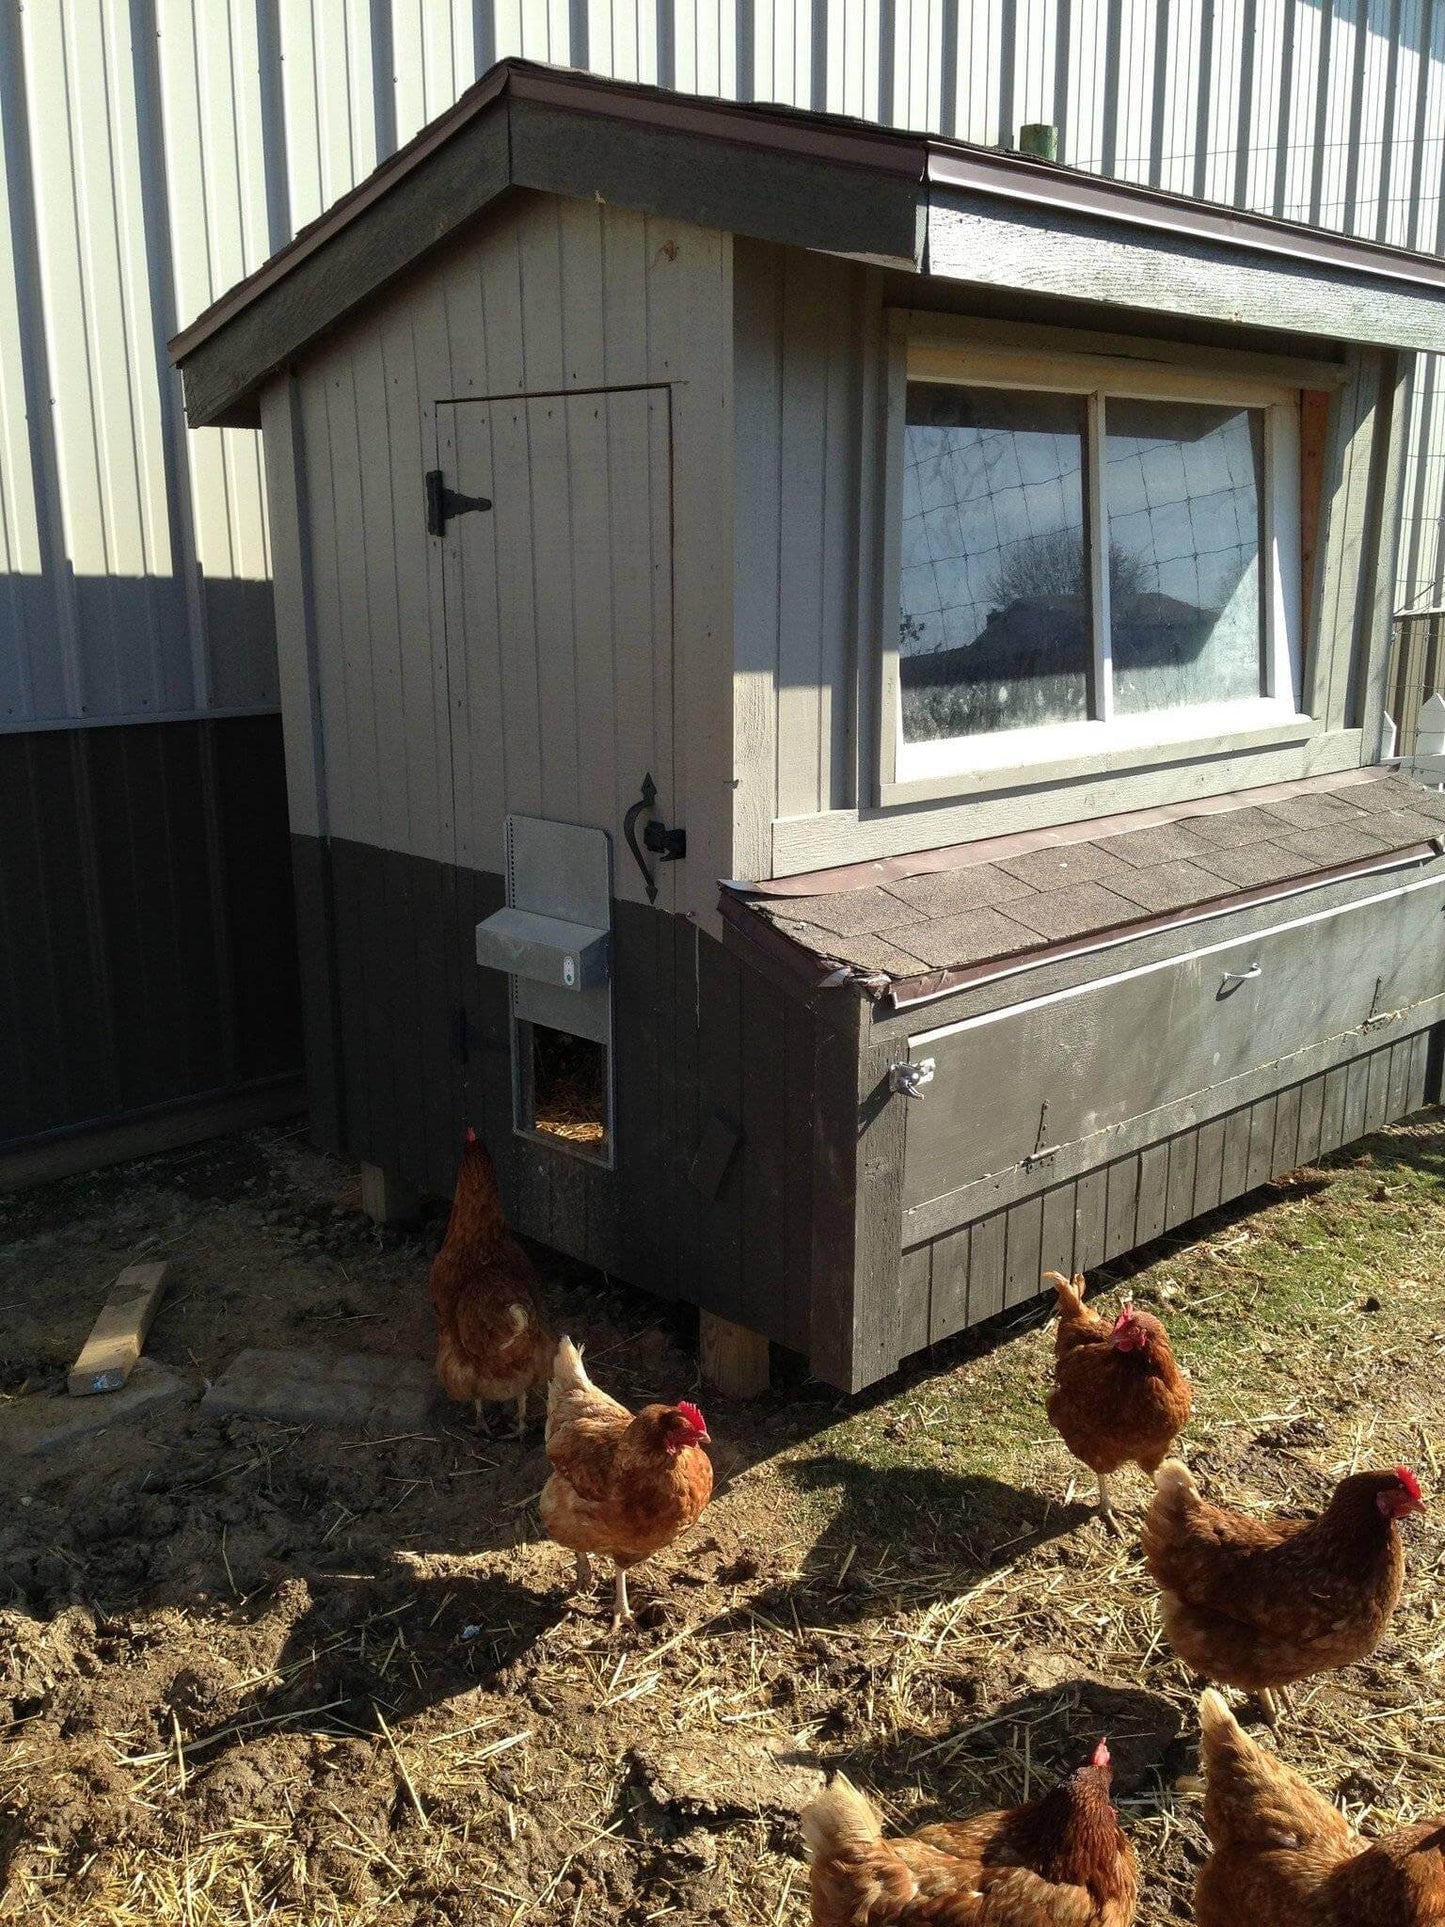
[1183, 484]
[994, 627]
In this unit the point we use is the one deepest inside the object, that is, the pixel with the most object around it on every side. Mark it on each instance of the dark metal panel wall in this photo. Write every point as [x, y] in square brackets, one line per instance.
[147, 928]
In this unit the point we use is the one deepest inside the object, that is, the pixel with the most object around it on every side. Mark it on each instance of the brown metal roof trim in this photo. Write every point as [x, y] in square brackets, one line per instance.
[829, 138]
[992, 849]
[987, 171]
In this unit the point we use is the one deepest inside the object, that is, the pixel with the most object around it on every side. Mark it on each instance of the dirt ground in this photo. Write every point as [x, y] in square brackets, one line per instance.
[250, 1673]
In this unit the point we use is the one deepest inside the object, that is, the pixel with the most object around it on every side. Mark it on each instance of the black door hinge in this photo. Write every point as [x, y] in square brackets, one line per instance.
[442, 503]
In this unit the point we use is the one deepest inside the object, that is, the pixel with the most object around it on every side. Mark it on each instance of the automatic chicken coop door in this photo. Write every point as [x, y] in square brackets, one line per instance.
[554, 940]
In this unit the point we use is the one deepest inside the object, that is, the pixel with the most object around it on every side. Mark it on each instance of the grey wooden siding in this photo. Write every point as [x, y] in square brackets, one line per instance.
[552, 297]
[799, 365]
[810, 418]
[982, 1268]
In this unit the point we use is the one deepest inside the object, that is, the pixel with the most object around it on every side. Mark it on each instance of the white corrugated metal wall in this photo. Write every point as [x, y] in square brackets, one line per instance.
[156, 150]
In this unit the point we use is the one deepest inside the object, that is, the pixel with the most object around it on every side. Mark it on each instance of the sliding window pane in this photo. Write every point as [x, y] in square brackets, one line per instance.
[1184, 487]
[994, 617]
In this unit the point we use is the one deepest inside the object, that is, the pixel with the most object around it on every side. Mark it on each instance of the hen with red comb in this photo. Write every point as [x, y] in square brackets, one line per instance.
[1119, 1397]
[1259, 1603]
[622, 1485]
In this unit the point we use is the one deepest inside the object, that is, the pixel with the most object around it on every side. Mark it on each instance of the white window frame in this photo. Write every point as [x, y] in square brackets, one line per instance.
[928, 348]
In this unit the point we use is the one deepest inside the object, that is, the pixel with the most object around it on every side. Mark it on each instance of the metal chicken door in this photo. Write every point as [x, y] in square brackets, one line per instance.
[554, 940]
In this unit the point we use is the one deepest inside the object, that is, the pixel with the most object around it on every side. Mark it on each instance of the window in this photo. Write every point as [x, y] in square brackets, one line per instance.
[1093, 559]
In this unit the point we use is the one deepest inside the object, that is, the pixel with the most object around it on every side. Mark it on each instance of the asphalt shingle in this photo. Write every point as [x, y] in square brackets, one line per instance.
[1337, 843]
[1062, 865]
[1309, 812]
[947, 892]
[1174, 886]
[1165, 843]
[969, 938]
[849, 913]
[1254, 864]
[1075, 912]
[1229, 829]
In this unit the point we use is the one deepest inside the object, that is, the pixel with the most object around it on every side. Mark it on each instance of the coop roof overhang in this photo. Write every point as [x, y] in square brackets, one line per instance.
[818, 181]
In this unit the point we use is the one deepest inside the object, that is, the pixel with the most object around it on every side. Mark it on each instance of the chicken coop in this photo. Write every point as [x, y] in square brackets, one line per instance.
[834, 697]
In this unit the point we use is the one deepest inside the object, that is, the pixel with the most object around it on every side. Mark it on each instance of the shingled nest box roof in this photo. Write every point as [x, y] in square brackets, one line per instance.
[911, 927]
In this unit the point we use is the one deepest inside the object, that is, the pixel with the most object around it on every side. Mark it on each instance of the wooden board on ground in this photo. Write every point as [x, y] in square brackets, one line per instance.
[118, 1336]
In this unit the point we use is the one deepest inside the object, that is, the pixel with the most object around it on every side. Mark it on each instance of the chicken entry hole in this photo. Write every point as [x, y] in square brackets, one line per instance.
[569, 1089]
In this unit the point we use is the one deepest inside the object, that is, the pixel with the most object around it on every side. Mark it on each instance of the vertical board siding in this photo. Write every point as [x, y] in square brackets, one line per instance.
[798, 390]
[418, 641]
[979, 1269]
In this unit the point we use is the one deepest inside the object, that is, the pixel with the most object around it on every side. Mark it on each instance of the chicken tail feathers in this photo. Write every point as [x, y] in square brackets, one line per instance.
[856, 1874]
[1216, 1722]
[568, 1372]
[1070, 1296]
[1174, 1485]
[1253, 1799]
[840, 1821]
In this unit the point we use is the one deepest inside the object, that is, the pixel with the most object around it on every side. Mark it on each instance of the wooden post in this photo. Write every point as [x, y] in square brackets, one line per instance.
[387, 1198]
[734, 1360]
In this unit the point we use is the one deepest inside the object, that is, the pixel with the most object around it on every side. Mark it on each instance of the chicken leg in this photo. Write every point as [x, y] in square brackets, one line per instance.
[1106, 1506]
[1273, 1701]
[621, 1611]
[521, 1415]
[584, 1573]
[484, 1429]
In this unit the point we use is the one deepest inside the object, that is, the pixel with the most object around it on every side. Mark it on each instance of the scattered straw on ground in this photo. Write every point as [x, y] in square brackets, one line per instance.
[252, 1674]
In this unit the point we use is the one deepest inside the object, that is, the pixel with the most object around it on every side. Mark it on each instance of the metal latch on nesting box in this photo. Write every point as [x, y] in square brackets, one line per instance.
[910, 1078]
[545, 950]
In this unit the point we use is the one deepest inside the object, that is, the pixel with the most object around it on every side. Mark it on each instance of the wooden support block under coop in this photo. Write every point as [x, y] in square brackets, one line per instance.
[118, 1335]
[387, 1198]
[734, 1360]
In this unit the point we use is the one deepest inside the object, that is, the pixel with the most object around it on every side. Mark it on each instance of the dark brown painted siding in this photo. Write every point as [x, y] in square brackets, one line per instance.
[976, 1270]
[147, 931]
[407, 1041]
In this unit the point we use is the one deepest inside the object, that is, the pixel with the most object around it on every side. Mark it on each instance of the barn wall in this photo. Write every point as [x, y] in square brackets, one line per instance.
[551, 295]
[147, 942]
[809, 355]
[154, 151]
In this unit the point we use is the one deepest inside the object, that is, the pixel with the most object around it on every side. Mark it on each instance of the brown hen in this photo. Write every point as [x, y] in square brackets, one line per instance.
[1118, 1397]
[1284, 1857]
[1259, 1603]
[1060, 1861]
[493, 1344]
[621, 1485]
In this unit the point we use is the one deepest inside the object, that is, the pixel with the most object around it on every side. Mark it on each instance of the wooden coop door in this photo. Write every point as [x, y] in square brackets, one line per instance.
[559, 617]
